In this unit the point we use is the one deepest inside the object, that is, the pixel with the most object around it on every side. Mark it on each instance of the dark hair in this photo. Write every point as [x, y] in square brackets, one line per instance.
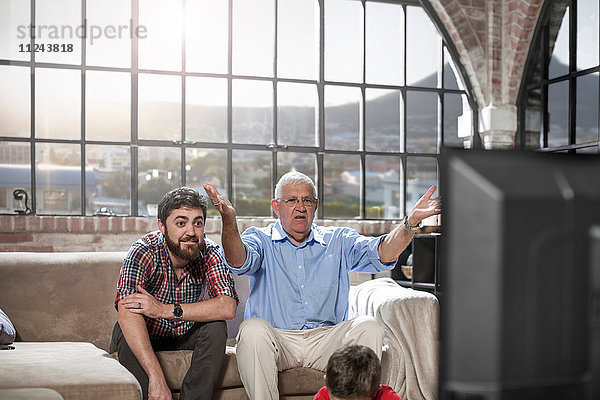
[181, 197]
[353, 371]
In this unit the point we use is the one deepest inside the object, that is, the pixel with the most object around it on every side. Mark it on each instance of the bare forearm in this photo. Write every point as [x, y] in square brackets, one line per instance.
[234, 249]
[214, 309]
[394, 244]
[136, 334]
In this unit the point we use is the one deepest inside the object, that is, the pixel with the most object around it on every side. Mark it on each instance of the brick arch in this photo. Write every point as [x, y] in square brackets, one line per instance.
[492, 38]
[520, 23]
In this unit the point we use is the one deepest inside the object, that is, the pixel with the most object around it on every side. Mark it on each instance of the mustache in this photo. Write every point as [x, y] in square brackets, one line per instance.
[189, 239]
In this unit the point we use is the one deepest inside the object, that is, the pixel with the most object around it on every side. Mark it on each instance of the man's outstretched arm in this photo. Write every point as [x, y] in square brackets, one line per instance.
[234, 249]
[397, 240]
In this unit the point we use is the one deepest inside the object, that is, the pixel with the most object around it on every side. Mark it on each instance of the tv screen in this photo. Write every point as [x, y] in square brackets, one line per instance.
[519, 310]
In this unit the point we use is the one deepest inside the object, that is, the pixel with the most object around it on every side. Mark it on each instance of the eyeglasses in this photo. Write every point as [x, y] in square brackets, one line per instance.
[309, 202]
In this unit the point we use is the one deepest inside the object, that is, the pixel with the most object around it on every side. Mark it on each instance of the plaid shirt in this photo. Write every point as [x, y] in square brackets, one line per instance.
[148, 264]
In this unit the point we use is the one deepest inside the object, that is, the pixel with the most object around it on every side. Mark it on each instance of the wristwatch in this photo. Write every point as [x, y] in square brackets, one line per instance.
[409, 227]
[177, 312]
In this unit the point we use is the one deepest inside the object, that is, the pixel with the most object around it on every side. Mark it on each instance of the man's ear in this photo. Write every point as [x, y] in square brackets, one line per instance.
[161, 227]
[275, 206]
[325, 378]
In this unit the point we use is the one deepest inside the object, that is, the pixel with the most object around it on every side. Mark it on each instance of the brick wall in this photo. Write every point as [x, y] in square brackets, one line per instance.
[492, 38]
[72, 234]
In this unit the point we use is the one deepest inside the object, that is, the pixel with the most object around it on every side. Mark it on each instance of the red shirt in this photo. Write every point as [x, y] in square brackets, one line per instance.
[384, 393]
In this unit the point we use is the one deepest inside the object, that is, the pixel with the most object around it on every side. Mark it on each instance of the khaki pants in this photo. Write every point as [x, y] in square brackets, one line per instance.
[262, 350]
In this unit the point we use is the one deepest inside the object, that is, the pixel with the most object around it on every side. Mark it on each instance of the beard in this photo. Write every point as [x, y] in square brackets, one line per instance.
[187, 252]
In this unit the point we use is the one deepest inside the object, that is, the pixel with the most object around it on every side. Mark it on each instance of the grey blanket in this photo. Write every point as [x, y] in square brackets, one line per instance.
[411, 323]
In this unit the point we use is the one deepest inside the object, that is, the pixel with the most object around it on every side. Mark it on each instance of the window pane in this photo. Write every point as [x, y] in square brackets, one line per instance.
[587, 33]
[252, 111]
[158, 172]
[421, 122]
[57, 103]
[107, 106]
[341, 186]
[423, 49]
[342, 117]
[457, 119]
[344, 29]
[111, 168]
[297, 40]
[15, 173]
[297, 114]
[206, 35]
[159, 107]
[587, 108]
[207, 166]
[162, 22]
[421, 173]
[385, 41]
[14, 32]
[110, 32]
[384, 187]
[559, 42]
[58, 22]
[450, 72]
[301, 162]
[206, 109]
[383, 119]
[58, 178]
[253, 37]
[15, 94]
[558, 114]
[252, 183]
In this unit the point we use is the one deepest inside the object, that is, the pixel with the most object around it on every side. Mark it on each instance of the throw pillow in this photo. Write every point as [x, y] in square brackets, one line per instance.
[7, 330]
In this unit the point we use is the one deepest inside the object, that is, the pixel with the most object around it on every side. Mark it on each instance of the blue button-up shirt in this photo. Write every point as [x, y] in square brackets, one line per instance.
[304, 286]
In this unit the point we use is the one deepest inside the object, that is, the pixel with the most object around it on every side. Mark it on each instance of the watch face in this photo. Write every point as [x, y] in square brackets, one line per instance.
[177, 311]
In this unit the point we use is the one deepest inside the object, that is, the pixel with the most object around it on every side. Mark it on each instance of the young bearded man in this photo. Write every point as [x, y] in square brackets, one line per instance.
[161, 300]
[296, 314]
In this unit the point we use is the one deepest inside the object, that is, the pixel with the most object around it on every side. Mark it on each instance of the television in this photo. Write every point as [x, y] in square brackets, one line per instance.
[520, 275]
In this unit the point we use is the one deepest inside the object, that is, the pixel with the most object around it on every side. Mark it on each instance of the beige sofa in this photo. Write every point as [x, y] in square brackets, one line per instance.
[61, 305]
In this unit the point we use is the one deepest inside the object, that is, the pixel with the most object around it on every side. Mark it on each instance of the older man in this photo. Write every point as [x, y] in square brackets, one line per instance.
[161, 300]
[296, 314]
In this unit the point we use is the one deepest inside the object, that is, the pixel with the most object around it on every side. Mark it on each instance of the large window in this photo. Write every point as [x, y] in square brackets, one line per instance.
[359, 95]
[559, 100]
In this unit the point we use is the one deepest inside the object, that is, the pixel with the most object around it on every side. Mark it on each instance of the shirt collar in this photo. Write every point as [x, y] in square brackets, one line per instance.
[315, 234]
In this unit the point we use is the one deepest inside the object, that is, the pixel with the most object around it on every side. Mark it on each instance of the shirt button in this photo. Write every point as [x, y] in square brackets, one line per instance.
[306, 303]
[302, 286]
[300, 266]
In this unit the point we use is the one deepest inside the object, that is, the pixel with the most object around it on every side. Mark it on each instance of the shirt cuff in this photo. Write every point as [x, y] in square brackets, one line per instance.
[247, 264]
[373, 254]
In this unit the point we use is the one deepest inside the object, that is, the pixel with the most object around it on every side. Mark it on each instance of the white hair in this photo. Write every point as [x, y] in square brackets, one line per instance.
[294, 178]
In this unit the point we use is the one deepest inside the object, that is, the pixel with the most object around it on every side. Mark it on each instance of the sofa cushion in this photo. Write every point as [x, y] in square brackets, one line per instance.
[30, 394]
[7, 330]
[48, 301]
[76, 370]
[295, 381]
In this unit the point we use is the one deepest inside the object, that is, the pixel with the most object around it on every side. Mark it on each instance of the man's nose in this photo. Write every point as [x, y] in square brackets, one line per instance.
[300, 206]
[190, 230]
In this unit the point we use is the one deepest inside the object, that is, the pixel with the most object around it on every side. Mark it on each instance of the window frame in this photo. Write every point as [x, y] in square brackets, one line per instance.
[319, 151]
[536, 77]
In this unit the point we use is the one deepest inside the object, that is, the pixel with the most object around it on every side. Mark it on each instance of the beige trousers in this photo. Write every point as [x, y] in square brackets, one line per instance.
[262, 350]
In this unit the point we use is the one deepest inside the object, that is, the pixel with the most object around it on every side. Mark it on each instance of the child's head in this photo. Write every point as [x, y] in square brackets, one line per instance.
[353, 372]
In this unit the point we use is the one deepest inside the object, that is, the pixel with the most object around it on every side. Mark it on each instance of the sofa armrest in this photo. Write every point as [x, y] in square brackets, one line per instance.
[410, 319]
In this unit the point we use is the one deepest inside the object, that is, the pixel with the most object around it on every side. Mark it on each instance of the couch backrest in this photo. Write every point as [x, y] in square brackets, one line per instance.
[69, 296]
